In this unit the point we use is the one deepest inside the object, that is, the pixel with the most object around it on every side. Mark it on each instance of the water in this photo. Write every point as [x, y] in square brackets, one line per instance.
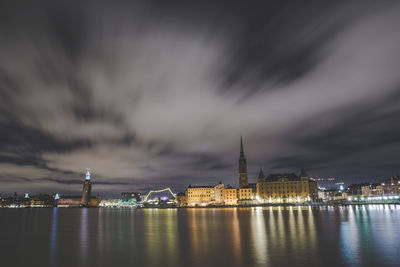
[285, 236]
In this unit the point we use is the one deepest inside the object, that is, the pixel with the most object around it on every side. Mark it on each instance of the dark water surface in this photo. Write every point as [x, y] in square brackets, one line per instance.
[285, 236]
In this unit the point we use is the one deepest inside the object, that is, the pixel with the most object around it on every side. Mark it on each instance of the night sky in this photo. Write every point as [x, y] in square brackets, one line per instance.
[151, 94]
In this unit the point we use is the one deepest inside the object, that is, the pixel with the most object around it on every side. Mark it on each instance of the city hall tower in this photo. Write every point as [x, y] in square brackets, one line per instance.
[87, 190]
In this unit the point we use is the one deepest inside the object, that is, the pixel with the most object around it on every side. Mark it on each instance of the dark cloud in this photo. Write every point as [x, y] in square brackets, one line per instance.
[282, 42]
[153, 94]
[79, 182]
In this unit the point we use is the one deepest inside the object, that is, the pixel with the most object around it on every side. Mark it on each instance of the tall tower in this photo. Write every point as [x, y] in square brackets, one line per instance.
[87, 190]
[243, 179]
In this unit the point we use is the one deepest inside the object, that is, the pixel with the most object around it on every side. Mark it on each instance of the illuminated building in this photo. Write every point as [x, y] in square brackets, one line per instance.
[243, 179]
[230, 196]
[219, 193]
[379, 190]
[245, 196]
[366, 190]
[286, 188]
[391, 186]
[253, 187]
[16, 201]
[181, 199]
[132, 197]
[339, 196]
[369, 190]
[113, 203]
[87, 190]
[69, 201]
[200, 195]
[245, 193]
[42, 201]
[85, 200]
[216, 195]
[386, 188]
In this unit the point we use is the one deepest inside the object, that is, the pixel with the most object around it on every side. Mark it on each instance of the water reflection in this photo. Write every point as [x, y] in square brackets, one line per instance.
[269, 236]
[236, 243]
[53, 238]
[370, 235]
[259, 235]
[161, 237]
[83, 234]
[349, 237]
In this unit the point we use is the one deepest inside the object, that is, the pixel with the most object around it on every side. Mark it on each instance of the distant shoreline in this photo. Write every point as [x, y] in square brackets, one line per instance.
[223, 207]
[265, 206]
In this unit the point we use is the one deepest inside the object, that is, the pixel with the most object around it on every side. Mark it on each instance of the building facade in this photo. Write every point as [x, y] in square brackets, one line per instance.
[245, 193]
[230, 196]
[70, 201]
[286, 188]
[369, 190]
[200, 195]
[219, 194]
[366, 190]
[181, 199]
[391, 186]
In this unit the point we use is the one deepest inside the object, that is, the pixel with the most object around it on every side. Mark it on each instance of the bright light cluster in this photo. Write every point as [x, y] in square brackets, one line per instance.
[373, 198]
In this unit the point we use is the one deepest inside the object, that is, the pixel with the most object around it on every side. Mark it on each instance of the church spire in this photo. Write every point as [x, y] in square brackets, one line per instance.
[241, 147]
[243, 180]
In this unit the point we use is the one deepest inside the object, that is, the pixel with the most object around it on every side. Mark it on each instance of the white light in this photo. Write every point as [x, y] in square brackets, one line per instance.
[87, 174]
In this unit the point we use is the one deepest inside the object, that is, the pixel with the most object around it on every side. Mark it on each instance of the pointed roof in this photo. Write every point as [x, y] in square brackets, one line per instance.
[241, 147]
[261, 173]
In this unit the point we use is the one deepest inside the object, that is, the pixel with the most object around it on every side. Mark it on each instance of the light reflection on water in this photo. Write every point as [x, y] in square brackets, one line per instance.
[83, 234]
[53, 238]
[259, 236]
[269, 236]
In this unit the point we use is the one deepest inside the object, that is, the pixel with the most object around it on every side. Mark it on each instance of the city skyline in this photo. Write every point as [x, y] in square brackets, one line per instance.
[149, 95]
